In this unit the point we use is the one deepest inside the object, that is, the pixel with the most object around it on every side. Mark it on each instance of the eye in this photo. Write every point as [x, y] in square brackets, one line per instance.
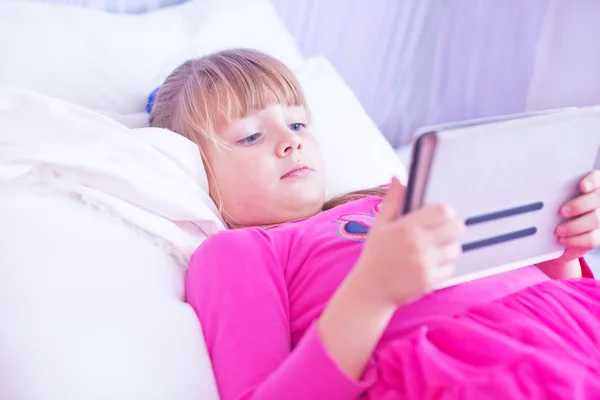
[297, 127]
[250, 139]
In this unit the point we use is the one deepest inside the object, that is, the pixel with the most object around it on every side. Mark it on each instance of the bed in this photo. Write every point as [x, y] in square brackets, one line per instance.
[100, 213]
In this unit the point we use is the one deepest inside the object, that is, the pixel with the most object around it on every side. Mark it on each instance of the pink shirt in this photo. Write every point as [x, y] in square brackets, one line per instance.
[258, 293]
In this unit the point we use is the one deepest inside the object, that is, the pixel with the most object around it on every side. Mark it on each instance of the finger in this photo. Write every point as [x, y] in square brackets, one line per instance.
[447, 254]
[448, 232]
[433, 216]
[586, 223]
[581, 205]
[589, 240]
[392, 201]
[590, 182]
[442, 273]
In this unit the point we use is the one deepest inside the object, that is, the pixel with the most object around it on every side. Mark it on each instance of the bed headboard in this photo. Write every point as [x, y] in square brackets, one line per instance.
[412, 62]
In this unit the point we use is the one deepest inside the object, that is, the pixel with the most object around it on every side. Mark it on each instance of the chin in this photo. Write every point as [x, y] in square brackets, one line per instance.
[279, 213]
[297, 207]
[308, 207]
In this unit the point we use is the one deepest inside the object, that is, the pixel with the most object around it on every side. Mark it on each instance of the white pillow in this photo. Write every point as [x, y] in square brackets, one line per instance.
[112, 62]
[91, 309]
[357, 155]
[97, 224]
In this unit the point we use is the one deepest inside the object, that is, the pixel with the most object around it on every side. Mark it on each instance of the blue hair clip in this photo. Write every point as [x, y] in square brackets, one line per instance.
[151, 99]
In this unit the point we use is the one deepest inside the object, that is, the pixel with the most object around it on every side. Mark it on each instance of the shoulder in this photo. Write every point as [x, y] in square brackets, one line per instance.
[231, 277]
[232, 254]
[222, 243]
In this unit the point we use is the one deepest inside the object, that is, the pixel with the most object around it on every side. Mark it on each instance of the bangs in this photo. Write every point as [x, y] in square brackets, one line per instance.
[232, 84]
[242, 94]
[241, 84]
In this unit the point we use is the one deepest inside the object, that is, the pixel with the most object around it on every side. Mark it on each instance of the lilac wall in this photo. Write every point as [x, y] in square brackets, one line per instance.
[567, 69]
[414, 62]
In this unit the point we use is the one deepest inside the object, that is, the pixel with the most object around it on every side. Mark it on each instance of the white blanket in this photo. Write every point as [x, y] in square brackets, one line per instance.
[151, 178]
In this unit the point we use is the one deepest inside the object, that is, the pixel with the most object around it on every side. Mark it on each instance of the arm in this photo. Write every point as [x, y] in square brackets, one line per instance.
[353, 322]
[237, 288]
[402, 260]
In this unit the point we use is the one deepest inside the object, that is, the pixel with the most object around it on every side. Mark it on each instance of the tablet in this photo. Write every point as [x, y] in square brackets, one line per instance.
[506, 177]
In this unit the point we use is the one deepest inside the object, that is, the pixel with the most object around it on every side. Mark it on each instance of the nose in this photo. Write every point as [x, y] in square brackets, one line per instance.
[289, 143]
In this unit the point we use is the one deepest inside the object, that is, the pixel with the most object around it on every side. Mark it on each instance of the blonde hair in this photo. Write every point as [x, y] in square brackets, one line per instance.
[203, 93]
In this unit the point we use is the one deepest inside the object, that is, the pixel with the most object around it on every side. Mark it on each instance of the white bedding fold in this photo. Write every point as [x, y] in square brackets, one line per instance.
[151, 178]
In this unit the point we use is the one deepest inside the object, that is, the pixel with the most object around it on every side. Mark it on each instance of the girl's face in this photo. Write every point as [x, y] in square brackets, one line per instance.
[271, 171]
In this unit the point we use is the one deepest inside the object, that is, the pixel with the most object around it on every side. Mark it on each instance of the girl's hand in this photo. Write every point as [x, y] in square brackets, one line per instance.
[582, 232]
[404, 258]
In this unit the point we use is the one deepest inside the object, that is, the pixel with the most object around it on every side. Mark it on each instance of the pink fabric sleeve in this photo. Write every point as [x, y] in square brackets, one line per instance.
[237, 287]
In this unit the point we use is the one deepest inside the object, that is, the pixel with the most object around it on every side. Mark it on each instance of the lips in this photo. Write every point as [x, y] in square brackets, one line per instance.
[298, 171]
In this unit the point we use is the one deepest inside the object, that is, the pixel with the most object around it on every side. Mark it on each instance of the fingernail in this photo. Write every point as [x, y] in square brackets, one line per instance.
[566, 211]
[587, 186]
[561, 230]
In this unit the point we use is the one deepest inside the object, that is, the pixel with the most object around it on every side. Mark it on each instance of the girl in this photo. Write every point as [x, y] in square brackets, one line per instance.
[307, 299]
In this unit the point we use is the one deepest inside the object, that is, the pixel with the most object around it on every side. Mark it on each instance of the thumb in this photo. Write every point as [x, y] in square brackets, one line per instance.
[392, 201]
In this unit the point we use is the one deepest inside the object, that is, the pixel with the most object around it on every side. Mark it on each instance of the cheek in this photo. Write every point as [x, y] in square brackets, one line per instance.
[238, 179]
[314, 151]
